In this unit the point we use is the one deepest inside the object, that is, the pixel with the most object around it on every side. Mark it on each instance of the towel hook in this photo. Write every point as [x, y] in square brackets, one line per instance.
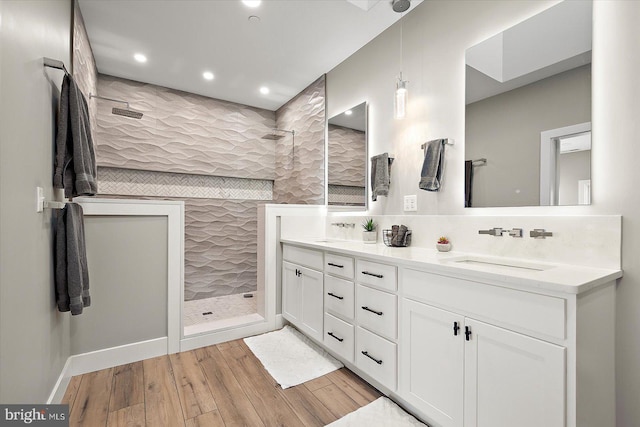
[54, 63]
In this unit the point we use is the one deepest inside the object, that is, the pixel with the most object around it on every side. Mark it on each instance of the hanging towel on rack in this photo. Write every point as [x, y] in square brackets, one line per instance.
[380, 173]
[71, 273]
[468, 183]
[75, 164]
[432, 166]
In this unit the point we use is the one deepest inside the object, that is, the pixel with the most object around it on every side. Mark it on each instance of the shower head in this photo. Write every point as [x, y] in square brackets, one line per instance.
[400, 5]
[276, 134]
[126, 113]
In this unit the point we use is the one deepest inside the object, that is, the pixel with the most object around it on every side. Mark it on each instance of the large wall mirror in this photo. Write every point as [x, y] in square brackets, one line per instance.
[528, 112]
[347, 158]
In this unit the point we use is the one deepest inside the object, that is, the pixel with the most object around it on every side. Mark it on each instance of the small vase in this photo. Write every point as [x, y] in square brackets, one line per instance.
[443, 247]
[369, 236]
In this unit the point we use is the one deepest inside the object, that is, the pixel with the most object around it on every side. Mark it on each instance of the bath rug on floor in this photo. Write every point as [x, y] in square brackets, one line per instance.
[290, 357]
[382, 412]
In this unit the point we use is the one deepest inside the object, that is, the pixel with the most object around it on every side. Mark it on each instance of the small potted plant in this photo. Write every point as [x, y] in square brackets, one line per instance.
[369, 234]
[443, 245]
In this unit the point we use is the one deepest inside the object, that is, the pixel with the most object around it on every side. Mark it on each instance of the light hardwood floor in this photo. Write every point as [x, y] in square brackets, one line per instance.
[223, 385]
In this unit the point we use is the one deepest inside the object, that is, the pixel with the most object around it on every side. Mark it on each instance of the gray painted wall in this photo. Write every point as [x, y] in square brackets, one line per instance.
[505, 129]
[34, 336]
[127, 261]
[436, 35]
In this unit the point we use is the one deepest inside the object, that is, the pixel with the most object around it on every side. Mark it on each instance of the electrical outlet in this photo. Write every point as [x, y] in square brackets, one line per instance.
[411, 203]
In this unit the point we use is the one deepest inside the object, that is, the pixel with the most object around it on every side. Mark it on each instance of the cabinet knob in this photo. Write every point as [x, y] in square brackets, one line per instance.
[456, 328]
[467, 333]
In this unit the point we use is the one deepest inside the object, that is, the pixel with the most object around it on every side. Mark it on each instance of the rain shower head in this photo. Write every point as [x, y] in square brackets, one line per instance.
[277, 134]
[126, 112]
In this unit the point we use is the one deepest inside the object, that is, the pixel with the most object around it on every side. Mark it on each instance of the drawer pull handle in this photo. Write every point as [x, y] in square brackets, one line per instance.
[334, 295]
[379, 276]
[335, 265]
[331, 335]
[366, 353]
[379, 313]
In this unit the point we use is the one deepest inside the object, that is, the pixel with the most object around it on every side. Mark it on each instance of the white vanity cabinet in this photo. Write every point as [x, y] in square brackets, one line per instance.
[302, 289]
[475, 354]
[459, 347]
[462, 372]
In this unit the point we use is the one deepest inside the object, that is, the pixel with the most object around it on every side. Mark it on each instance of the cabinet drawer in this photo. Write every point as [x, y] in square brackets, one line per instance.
[339, 265]
[375, 274]
[339, 337]
[377, 357]
[510, 308]
[377, 311]
[307, 257]
[339, 297]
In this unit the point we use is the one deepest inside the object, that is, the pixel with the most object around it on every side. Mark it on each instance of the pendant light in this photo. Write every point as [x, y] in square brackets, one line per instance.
[401, 94]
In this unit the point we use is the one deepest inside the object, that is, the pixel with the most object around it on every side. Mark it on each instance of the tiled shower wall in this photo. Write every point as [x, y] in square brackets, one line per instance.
[300, 167]
[209, 153]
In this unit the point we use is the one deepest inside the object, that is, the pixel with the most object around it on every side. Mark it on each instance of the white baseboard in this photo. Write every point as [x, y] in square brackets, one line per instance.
[115, 356]
[61, 385]
[280, 322]
[103, 359]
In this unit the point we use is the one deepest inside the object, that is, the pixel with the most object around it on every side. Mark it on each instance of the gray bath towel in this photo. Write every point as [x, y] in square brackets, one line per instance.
[72, 274]
[380, 172]
[75, 164]
[433, 166]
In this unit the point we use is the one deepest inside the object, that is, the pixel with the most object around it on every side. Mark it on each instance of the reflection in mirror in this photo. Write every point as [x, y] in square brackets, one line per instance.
[347, 157]
[528, 112]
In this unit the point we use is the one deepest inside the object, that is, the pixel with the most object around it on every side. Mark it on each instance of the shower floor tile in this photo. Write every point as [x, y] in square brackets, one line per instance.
[224, 307]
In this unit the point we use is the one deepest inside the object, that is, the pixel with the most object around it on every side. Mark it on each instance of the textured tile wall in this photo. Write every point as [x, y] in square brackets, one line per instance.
[220, 247]
[182, 132]
[300, 169]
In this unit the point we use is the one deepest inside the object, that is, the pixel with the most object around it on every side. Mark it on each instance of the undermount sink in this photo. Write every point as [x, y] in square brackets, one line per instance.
[498, 263]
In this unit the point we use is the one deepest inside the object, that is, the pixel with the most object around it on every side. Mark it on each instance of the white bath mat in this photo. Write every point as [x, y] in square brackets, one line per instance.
[290, 357]
[382, 412]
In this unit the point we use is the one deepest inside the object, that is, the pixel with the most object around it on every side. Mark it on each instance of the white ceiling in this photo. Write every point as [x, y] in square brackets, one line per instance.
[294, 43]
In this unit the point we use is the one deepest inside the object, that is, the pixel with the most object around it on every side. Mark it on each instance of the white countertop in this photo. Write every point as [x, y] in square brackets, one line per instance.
[563, 278]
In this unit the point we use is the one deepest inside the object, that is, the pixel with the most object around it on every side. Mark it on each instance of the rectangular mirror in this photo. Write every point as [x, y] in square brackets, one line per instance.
[347, 158]
[528, 112]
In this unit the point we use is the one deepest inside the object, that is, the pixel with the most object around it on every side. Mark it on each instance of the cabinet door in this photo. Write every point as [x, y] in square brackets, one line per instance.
[512, 380]
[312, 302]
[432, 357]
[291, 293]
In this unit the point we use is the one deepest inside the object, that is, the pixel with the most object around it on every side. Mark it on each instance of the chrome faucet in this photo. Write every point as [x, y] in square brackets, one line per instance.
[540, 233]
[516, 232]
[344, 224]
[493, 232]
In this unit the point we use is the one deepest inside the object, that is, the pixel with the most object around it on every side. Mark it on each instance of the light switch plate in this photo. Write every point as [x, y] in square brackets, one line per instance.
[411, 203]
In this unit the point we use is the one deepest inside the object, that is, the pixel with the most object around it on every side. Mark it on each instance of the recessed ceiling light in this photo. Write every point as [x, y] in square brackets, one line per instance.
[140, 57]
[252, 3]
[264, 90]
[348, 113]
[208, 75]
